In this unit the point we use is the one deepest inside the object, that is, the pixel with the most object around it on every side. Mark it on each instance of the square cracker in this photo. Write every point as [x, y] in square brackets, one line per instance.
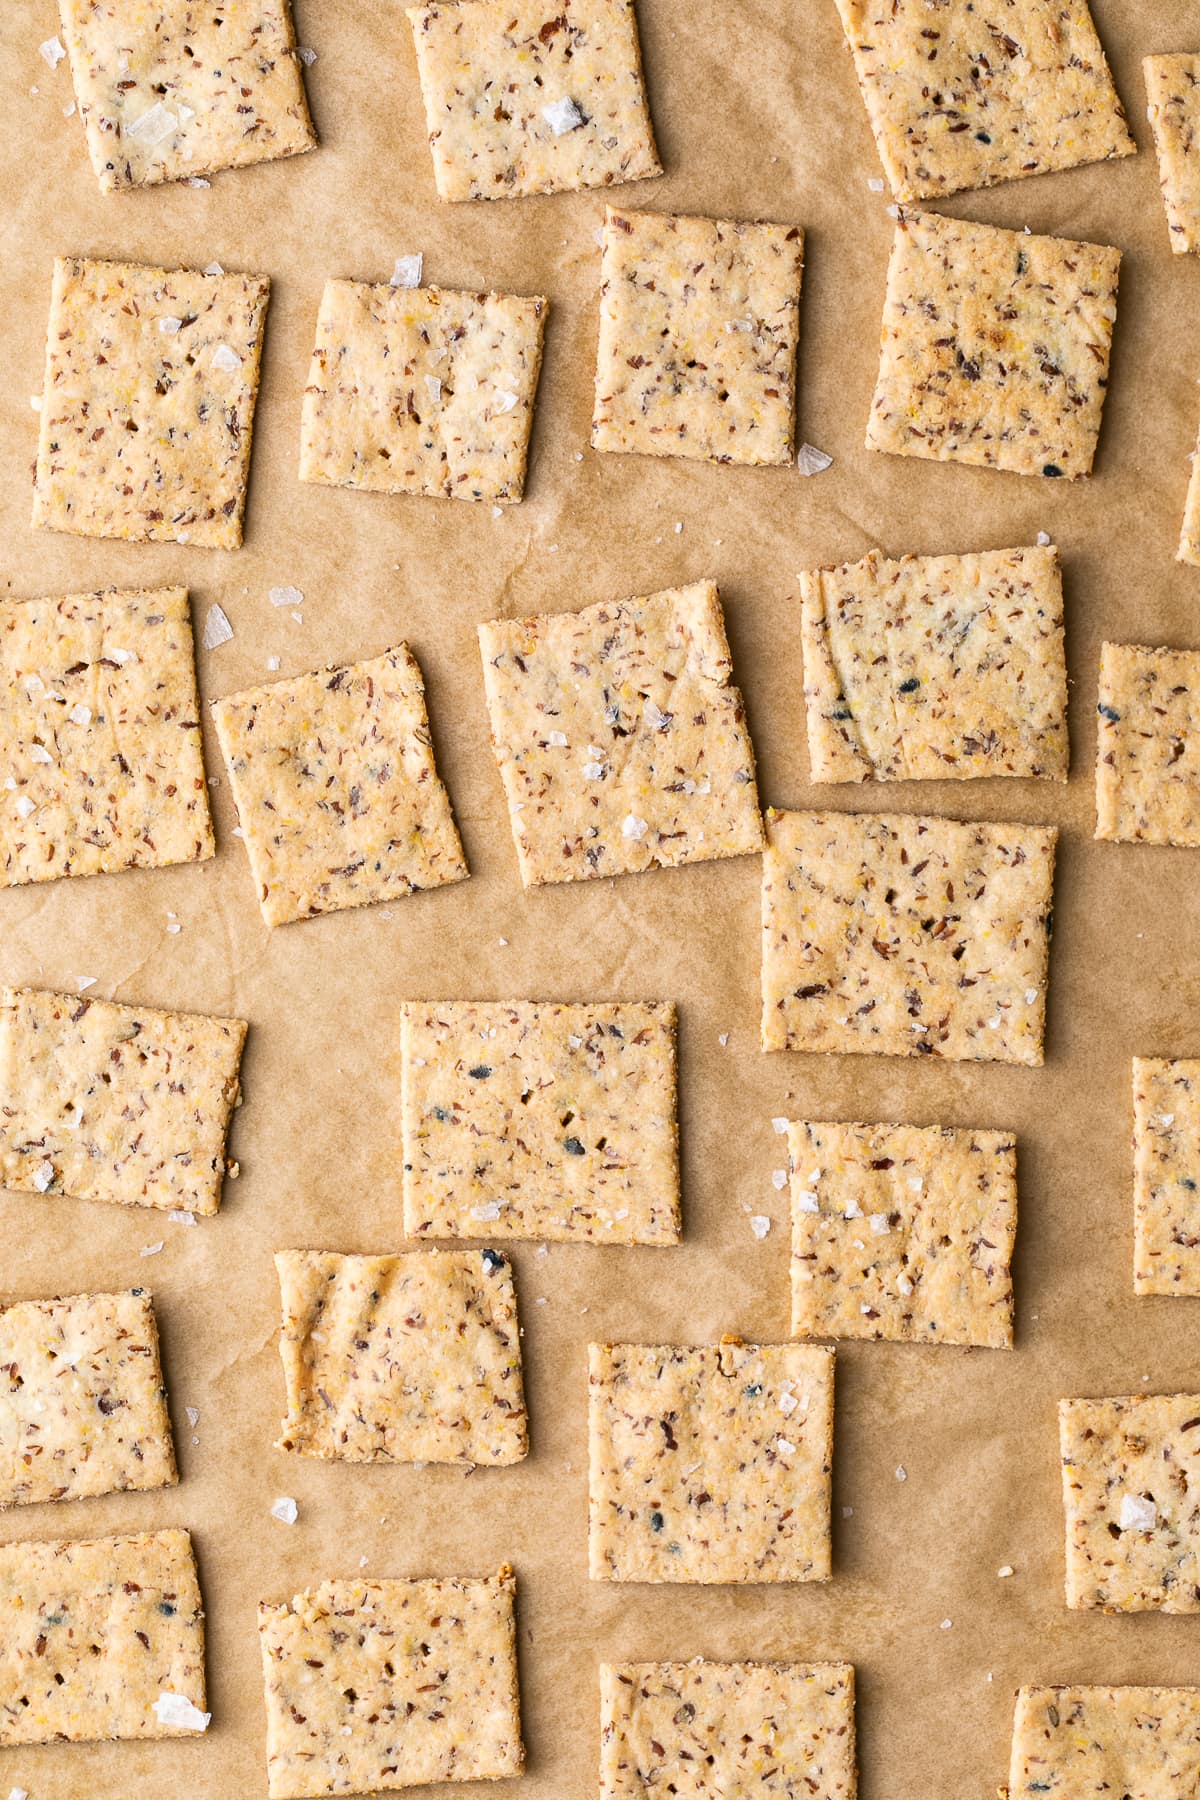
[903, 1232]
[99, 736]
[900, 936]
[121, 1103]
[421, 391]
[995, 347]
[408, 1358]
[1080, 1742]
[1173, 93]
[620, 736]
[699, 320]
[1148, 745]
[390, 1684]
[491, 71]
[1166, 1176]
[175, 90]
[936, 668]
[148, 402]
[93, 1632]
[709, 1464]
[972, 92]
[525, 1118]
[699, 1729]
[336, 790]
[83, 1409]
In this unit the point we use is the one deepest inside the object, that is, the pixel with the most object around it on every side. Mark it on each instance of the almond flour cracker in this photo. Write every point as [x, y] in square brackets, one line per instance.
[1148, 745]
[1133, 1743]
[1173, 93]
[1166, 1176]
[1189, 531]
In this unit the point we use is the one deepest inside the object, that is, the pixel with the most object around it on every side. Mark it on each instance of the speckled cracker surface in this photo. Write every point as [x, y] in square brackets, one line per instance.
[971, 92]
[709, 1464]
[902, 936]
[409, 1358]
[337, 794]
[1173, 95]
[527, 1118]
[148, 402]
[421, 391]
[697, 1730]
[93, 1632]
[100, 1101]
[1189, 531]
[994, 347]
[699, 321]
[1135, 1743]
[101, 766]
[620, 736]
[377, 1685]
[903, 1232]
[1166, 1176]
[174, 90]
[520, 99]
[936, 668]
[1148, 745]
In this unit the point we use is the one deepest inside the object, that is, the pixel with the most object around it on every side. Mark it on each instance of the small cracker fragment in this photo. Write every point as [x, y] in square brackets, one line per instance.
[1189, 531]
[894, 935]
[536, 1119]
[100, 1101]
[995, 347]
[92, 1632]
[375, 1685]
[699, 321]
[697, 1729]
[337, 794]
[421, 391]
[936, 668]
[1148, 745]
[620, 736]
[1166, 1176]
[698, 1474]
[1080, 1742]
[1173, 93]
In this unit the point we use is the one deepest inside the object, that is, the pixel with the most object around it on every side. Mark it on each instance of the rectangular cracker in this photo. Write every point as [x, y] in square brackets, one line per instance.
[409, 1358]
[995, 347]
[903, 1232]
[936, 668]
[374, 1685]
[699, 321]
[1148, 745]
[337, 793]
[1081, 1742]
[535, 1119]
[1173, 96]
[1166, 1176]
[893, 935]
[83, 1409]
[421, 391]
[101, 1101]
[93, 1634]
[148, 402]
[519, 100]
[620, 736]
[693, 1730]
[709, 1464]
[1189, 530]
[101, 765]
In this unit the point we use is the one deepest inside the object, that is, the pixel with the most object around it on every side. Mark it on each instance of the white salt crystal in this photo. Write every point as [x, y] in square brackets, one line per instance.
[217, 629]
[562, 116]
[407, 272]
[177, 1709]
[285, 1510]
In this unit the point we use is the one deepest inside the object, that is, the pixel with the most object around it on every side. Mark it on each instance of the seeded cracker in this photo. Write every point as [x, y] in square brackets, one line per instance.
[1166, 1176]
[1148, 745]
[375, 1685]
[1080, 1742]
[106, 1102]
[903, 936]
[536, 1119]
[995, 347]
[1189, 531]
[936, 668]
[1173, 92]
[699, 320]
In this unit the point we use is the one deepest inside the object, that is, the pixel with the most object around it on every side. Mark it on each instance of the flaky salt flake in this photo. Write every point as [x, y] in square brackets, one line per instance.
[285, 1510]
[226, 359]
[562, 116]
[779, 1179]
[634, 827]
[880, 1224]
[722, 1038]
[43, 1176]
[558, 739]
[1044, 540]
[853, 1210]
[593, 771]
[788, 1404]
[51, 52]
[782, 1445]
[153, 126]
[35, 401]
[760, 1224]
[285, 596]
[678, 526]
[946, 1624]
[1138, 1513]
[308, 57]
[217, 629]
[901, 1473]
[80, 714]
[121, 657]
[780, 1125]
[193, 1416]
[25, 807]
[38, 753]
[1004, 1573]
[806, 1200]
[486, 1213]
[18, 1794]
[1031, 995]
[433, 387]
[177, 1709]
[178, 1216]
[504, 402]
[151, 1249]
[213, 268]
[407, 272]
[875, 183]
[198, 181]
[811, 461]
[904, 1285]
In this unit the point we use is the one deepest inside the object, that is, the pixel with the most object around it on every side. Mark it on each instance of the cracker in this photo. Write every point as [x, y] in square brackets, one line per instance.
[148, 402]
[1130, 1477]
[337, 794]
[421, 391]
[1173, 93]
[100, 1101]
[699, 320]
[709, 1464]
[620, 736]
[169, 92]
[903, 1232]
[1076, 1743]
[995, 347]
[377, 1685]
[1148, 745]
[1189, 531]
[99, 736]
[519, 100]
[534, 1119]
[979, 91]
[1166, 1176]
[700, 1729]
[936, 668]
[93, 1632]
[904, 936]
